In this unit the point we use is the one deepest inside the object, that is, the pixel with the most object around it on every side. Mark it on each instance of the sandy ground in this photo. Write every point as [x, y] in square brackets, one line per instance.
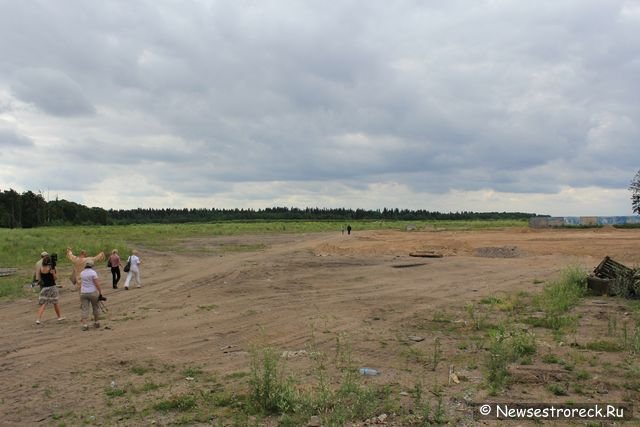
[205, 306]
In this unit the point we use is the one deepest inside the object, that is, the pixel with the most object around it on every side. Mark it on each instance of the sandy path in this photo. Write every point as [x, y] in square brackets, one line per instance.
[207, 310]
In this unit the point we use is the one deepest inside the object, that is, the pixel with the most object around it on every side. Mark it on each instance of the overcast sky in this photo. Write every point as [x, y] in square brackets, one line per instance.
[446, 105]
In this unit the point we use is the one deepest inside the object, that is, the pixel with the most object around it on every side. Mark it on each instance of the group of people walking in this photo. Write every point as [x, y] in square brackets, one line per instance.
[86, 278]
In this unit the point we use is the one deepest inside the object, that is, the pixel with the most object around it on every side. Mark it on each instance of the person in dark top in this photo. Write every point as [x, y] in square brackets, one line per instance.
[349, 229]
[114, 263]
[49, 291]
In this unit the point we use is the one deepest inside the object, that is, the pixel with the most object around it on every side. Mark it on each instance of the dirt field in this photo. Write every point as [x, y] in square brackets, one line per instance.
[204, 307]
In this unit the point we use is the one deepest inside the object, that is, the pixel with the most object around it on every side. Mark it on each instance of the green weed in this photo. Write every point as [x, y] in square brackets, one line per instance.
[582, 375]
[149, 386]
[561, 295]
[114, 392]
[270, 391]
[557, 389]
[551, 358]
[192, 372]
[140, 370]
[506, 346]
[603, 345]
[180, 403]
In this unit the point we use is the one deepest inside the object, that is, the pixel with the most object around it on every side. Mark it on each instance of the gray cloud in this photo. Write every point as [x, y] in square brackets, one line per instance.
[11, 140]
[52, 91]
[293, 100]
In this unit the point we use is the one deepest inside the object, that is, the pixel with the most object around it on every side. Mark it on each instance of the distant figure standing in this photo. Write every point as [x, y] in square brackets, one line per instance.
[349, 229]
[343, 230]
[134, 271]
[114, 263]
[49, 293]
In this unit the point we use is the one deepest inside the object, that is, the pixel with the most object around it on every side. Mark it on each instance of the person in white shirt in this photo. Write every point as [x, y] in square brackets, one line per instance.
[90, 293]
[134, 271]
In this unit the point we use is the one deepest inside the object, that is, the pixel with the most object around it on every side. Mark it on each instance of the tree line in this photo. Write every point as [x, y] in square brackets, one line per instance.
[28, 210]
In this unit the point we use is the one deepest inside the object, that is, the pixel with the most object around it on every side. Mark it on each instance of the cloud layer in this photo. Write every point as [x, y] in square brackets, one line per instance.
[489, 105]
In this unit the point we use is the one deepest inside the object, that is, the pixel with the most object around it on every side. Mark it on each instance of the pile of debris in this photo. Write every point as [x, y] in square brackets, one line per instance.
[612, 278]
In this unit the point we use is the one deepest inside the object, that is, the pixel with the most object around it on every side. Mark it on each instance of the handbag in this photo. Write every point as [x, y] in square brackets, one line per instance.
[128, 266]
[109, 263]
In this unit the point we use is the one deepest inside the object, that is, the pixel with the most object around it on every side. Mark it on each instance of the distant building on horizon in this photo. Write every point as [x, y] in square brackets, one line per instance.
[586, 221]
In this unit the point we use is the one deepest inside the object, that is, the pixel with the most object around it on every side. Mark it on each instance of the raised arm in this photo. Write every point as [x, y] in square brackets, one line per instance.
[70, 255]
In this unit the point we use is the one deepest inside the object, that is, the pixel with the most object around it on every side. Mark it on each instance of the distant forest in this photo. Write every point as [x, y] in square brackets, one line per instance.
[28, 210]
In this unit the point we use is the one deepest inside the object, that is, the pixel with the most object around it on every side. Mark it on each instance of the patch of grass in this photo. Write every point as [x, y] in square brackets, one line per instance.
[441, 317]
[149, 386]
[557, 389]
[603, 345]
[192, 372]
[337, 400]
[181, 403]
[557, 298]
[507, 303]
[114, 392]
[477, 320]
[222, 399]
[582, 375]
[551, 358]
[579, 389]
[416, 355]
[560, 296]
[14, 287]
[270, 391]
[490, 300]
[506, 345]
[127, 411]
[436, 354]
[140, 370]
[237, 375]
